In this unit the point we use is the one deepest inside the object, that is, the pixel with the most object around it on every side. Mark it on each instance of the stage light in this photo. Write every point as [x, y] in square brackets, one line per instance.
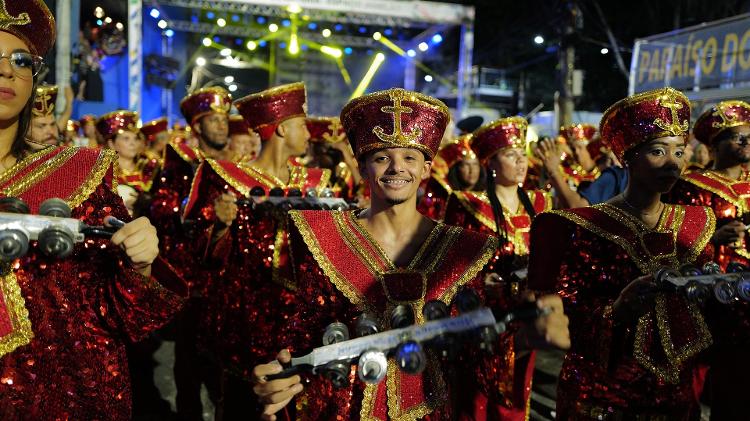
[232, 88]
[169, 33]
[362, 29]
[155, 13]
[411, 53]
[333, 52]
[99, 12]
[99, 22]
[194, 19]
[261, 20]
[604, 50]
[326, 33]
[119, 26]
[162, 24]
[217, 38]
[229, 79]
[293, 45]
[538, 39]
[221, 22]
[376, 62]
[423, 46]
[282, 45]
[235, 18]
[108, 20]
[294, 8]
[312, 26]
[304, 47]
[286, 23]
[207, 42]
[338, 27]
[210, 15]
[252, 45]
[388, 32]
[428, 78]
[273, 27]
[200, 61]
[348, 51]
[262, 43]
[225, 52]
[376, 36]
[437, 39]
[238, 41]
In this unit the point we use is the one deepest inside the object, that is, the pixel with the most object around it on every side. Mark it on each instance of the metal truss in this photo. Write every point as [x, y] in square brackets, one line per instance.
[315, 15]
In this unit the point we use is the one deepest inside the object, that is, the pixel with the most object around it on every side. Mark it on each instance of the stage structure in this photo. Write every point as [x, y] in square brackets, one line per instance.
[339, 48]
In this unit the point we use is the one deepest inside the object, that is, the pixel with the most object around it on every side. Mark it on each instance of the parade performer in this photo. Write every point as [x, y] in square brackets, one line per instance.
[461, 171]
[65, 321]
[244, 143]
[634, 347]
[370, 260]
[157, 136]
[251, 287]
[330, 149]
[120, 130]
[504, 209]
[725, 188]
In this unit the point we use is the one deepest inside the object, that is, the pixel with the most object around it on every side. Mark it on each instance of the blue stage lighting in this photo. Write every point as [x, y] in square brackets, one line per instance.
[348, 51]
[239, 41]
[216, 38]
[304, 47]
[169, 33]
[285, 23]
[312, 26]
[282, 45]
[155, 13]
[263, 43]
[388, 32]
[261, 20]
[362, 29]
[210, 15]
[235, 18]
[338, 27]
[99, 22]
[194, 19]
[437, 39]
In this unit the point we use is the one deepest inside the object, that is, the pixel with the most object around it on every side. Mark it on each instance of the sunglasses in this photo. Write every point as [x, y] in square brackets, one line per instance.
[24, 64]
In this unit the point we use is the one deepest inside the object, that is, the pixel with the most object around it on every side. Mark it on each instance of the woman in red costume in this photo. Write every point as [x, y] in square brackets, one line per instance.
[64, 322]
[460, 170]
[504, 209]
[634, 346]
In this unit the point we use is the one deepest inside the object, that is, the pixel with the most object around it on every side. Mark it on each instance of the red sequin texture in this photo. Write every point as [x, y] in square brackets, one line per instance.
[170, 188]
[83, 310]
[480, 387]
[729, 324]
[599, 370]
[433, 201]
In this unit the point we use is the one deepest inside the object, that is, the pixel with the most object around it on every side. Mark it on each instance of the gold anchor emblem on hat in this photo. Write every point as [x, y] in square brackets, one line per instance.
[669, 100]
[721, 112]
[333, 134]
[398, 135]
[6, 20]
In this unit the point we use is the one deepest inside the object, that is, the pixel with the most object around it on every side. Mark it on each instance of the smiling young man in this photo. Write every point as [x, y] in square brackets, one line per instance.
[347, 262]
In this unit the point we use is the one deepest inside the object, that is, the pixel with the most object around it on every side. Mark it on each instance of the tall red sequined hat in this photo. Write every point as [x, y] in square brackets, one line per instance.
[456, 151]
[645, 116]
[205, 101]
[265, 110]
[44, 100]
[154, 127]
[238, 125]
[325, 129]
[111, 124]
[509, 132]
[580, 132]
[395, 118]
[31, 21]
[722, 116]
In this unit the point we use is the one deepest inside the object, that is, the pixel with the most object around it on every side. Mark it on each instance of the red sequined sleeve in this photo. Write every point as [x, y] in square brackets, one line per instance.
[126, 300]
[457, 214]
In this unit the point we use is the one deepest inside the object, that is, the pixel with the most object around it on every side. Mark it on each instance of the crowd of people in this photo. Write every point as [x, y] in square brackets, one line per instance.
[575, 225]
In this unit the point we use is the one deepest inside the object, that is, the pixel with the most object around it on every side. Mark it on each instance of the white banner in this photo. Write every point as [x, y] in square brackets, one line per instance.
[135, 54]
